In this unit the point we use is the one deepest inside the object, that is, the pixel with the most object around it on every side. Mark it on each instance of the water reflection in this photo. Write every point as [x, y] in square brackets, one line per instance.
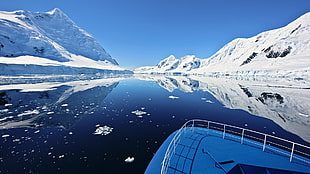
[79, 124]
[52, 104]
[286, 102]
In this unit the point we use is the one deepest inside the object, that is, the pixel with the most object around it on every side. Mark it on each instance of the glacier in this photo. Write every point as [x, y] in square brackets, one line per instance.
[282, 52]
[49, 43]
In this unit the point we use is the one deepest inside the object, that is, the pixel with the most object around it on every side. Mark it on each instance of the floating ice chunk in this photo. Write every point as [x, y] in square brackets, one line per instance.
[203, 98]
[8, 104]
[61, 156]
[16, 140]
[49, 113]
[4, 110]
[173, 97]
[304, 115]
[37, 131]
[5, 136]
[209, 101]
[105, 130]
[129, 159]
[28, 113]
[138, 113]
[5, 118]
[64, 105]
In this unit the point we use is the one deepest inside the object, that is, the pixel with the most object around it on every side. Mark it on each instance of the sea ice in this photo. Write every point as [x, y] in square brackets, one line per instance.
[304, 115]
[29, 112]
[209, 101]
[129, 159]
[5, 136]
[4, 110]
[105, 130]
[173, 97]
[138, 113]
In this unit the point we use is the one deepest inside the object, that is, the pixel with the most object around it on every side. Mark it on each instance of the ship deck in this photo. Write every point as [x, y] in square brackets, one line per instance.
[201, 150]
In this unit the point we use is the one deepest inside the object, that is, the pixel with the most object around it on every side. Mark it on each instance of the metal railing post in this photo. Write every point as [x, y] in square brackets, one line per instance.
[208, 127]
[292, 152]
[224, 131]
[264, 146]
[193, 125]
[171, 150]
[242, 135]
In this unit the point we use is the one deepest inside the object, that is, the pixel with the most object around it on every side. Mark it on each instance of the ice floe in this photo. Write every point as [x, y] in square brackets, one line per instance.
[28, 113]
[5, 118]
[129, 159]
[138, 112]
[4, 110]
[173, 97]
[5, 136]
[209, 101]
[304, 115]
[103, 130]
[64, 105]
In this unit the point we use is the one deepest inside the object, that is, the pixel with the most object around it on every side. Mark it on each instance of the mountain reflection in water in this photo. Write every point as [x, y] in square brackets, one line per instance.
[45, 104]
[93, 124]
[286, 102]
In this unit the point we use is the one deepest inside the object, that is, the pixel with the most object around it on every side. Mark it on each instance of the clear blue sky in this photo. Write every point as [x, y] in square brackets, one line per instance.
[142, 32]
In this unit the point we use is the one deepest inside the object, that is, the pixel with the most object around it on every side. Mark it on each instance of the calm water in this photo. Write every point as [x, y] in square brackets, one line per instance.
[48, 125]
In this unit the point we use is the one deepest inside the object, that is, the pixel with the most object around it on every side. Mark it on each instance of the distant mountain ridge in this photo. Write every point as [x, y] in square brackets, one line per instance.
[49, 39]
[284, 50]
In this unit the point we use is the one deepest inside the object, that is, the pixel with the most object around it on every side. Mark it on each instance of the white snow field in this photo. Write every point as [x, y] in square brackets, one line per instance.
[276, 53]
[48, 43]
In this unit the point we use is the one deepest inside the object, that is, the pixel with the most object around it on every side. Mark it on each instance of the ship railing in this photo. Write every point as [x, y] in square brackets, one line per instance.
[296, 152]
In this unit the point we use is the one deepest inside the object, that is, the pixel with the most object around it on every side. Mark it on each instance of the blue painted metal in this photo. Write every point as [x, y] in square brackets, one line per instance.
[201, 146]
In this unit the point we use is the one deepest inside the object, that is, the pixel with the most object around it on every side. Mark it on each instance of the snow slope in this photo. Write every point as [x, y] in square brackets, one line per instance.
[172, 65]
[280, 52]
[49, 39]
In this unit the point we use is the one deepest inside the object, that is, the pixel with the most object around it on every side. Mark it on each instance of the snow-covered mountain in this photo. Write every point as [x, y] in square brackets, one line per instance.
[172, 65]
[284, 51]
[49, 39]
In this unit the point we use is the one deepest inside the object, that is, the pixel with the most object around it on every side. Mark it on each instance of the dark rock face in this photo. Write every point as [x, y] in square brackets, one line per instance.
[249, 59]
[273, 97]
[275, 54]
